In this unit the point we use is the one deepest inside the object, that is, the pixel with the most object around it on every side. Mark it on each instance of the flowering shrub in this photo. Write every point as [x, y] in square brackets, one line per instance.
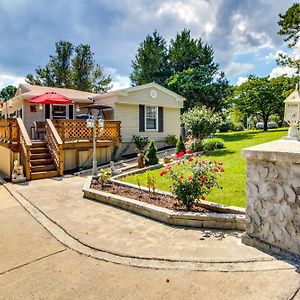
[193, 144]
[192, 179]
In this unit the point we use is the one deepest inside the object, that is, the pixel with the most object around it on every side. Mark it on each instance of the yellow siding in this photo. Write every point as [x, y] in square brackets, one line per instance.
[129, 117]
[143, 97]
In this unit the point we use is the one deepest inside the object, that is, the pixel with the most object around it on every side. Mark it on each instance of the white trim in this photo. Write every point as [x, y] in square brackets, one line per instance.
[156, 125]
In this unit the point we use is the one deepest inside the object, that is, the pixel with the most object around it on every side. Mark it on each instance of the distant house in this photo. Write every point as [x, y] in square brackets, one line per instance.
[66, 142]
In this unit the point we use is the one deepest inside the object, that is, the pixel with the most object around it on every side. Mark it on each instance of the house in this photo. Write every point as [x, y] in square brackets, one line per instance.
[66, 142]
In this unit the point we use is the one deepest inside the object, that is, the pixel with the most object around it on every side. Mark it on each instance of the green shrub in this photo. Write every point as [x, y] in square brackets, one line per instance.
[194, 144]
[201, 122]
[214, 143]
[151, 157]
[140, 142]
[104, 175]
[171, 140]
[193, 179]
[180, 147]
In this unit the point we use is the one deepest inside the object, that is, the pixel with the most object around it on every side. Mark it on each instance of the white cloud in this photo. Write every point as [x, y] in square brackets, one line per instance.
[119, 81]
[241, 80]
[279, 71]
[6, 80]
[234, 68]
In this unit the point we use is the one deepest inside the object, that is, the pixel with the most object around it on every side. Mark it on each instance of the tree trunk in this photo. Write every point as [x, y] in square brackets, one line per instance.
[266, 124]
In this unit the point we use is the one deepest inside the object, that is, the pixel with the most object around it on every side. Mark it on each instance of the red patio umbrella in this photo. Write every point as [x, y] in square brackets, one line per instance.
[51, 98]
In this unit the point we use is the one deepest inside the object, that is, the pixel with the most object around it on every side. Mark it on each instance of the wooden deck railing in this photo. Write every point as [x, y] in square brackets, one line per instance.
[9, 133]
[55, 146]
[76, 130]
[25, 146]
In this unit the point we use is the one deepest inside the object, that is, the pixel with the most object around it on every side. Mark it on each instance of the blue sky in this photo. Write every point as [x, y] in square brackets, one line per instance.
[243, 33]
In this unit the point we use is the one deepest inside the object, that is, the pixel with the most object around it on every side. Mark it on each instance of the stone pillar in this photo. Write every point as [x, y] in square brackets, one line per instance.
[273, 195]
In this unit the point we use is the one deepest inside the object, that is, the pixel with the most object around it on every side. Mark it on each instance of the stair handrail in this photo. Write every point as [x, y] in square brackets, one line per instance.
[55, 146]
[25, 146]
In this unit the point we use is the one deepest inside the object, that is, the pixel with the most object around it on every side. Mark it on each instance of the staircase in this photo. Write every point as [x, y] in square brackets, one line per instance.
[41, 163]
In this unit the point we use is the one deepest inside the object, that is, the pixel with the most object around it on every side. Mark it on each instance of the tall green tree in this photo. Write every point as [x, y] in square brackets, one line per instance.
[7, 92]
[263, 97]
[290, 24]
[150, 63]
[290, 28]
[187, 67]
[72, 67]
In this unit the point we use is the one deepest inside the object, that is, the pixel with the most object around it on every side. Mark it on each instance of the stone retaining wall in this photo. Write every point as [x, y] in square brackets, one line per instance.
[273, 194]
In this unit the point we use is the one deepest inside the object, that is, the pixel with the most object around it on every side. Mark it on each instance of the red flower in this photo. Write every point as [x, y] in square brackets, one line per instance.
[221, 170]
[162, 173]
[216, 170]
[190, 159]
[181, 177]
[203, 179]
[190, 178]
[188, 151]
[180, 154]
[220, 163]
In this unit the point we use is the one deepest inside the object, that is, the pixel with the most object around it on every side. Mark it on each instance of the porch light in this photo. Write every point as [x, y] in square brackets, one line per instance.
[292, 113]
[40, 106]
[90, 123]
[101, 123]
[77, 108]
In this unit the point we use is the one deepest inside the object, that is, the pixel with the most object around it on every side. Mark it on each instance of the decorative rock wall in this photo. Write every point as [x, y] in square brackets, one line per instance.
[273, 194]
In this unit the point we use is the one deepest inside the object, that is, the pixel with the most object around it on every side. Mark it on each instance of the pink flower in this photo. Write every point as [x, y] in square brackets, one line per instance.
[162, 173]
[188, 151]
[190, 178]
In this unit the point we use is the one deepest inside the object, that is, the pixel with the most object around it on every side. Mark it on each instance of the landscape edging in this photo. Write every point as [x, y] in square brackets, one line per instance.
[188, 219]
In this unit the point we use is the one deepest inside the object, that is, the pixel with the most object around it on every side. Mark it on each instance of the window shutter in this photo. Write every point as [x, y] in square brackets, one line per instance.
[160, 119]
[141, 118]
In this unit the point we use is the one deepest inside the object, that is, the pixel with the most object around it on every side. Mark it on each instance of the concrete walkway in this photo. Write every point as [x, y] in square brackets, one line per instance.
[110, 234]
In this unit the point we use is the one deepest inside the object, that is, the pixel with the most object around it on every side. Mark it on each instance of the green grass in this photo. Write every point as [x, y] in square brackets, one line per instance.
[233, 180]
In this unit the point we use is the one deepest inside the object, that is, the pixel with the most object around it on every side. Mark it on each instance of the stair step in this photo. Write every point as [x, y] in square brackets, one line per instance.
[42, 168]
[39, 150]
[43, 161]
[40, 156]
[38, 144]
[43, 174]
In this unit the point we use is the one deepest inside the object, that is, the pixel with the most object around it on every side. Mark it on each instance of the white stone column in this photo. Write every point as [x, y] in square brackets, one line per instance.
[273, 195]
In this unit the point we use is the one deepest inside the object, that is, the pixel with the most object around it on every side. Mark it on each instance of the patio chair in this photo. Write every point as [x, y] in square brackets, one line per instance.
[39, 129]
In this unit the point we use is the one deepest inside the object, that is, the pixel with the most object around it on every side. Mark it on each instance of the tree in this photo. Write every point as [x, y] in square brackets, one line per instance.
[180, 147]
[72, 68]
[290, 24]
[150, 64]
[8, 92]
[290, 27]
[187, 67]
[201, 122]
[263, 97]
[151, 157]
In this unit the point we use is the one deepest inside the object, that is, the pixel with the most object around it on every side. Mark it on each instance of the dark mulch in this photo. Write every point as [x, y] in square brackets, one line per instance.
[151, 198]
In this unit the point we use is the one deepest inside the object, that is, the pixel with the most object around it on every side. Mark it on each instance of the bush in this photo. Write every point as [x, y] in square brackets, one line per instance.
[214, 143]
[140, 142]
[151, 157]
[226, 126]
[194, 144]
[171, 140]
[180, 147]
[192, 179]
[201, 122]
[104, 175]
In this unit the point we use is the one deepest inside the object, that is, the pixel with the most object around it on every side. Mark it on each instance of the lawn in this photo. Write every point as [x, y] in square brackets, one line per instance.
[233, 180]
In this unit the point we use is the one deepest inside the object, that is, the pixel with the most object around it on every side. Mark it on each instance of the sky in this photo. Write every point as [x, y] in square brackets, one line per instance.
[243, 33]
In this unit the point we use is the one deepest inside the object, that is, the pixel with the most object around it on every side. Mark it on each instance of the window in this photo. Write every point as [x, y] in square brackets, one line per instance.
[59, 112]
[151, 117]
